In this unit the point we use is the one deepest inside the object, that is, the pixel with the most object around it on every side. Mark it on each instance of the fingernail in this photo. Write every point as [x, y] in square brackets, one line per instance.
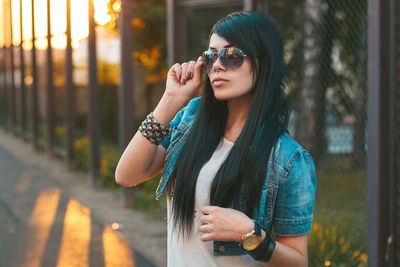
[188, 75]
[184, 81]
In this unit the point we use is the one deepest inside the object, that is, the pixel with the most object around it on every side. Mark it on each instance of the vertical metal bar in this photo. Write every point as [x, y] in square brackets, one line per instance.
[125, 97]
[22, 69]
[2, 71]
[248, 5]
[34, 95]
[390, 23]
[396, 219]
[176, 32]
[69, 92]
[257, 5]
[262, 6]
[12, 89]
[93, 116]
[380, 138]
[373, 133]
[50, 89]
[5, 89]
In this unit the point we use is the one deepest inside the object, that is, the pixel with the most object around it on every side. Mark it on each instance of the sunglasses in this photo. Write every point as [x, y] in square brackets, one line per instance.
[230, 57]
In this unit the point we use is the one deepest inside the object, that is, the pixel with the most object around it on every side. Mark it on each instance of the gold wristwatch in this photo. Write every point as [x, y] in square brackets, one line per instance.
[252, 240]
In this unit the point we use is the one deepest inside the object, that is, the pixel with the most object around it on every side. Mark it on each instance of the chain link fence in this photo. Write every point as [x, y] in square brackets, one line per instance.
[326, 56]
[325, 44]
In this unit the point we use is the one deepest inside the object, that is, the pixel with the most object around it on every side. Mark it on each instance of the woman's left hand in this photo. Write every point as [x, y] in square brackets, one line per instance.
[223, 224]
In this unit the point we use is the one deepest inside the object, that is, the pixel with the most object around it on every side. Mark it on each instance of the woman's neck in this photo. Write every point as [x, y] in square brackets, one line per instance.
[238, 110]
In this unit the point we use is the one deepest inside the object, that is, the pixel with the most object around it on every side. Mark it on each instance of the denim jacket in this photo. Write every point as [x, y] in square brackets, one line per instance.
[287, 198]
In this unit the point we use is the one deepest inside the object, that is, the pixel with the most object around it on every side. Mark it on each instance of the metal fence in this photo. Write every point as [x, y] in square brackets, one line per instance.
[47, 98]
[325, 46]
[326, 55]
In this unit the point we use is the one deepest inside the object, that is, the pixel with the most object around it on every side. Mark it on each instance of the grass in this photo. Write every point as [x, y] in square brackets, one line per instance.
[339, 232]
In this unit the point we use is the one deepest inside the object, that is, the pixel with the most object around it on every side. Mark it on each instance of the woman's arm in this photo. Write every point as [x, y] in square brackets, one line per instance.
[225, 224]
[143, 159]
[290, 251]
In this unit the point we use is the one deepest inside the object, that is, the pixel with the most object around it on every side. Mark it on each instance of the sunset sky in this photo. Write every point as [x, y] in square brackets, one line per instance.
[79, 22]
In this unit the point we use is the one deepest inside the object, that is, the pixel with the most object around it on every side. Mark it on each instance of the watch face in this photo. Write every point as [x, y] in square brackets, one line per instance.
[251, 242]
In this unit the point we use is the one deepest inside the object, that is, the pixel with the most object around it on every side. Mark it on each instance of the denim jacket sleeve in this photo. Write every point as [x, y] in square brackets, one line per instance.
[295, 199]
[174, 123]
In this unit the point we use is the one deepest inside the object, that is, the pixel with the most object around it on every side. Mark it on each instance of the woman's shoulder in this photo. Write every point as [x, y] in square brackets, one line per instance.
[287, 151]
[189, 111]
[186, 115]
[193, 104]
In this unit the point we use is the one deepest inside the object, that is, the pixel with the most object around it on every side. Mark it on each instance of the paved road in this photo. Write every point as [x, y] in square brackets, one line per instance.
[40, 225]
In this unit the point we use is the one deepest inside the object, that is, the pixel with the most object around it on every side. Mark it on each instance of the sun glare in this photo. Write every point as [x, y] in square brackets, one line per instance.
[79, 21]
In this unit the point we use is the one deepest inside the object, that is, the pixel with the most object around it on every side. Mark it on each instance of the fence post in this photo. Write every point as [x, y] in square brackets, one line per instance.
[3, 88]
[397, 132]
[12, 67]
[125, 96]
[5, 106]
[50, 88]
[93, 112]
[176, 28]
[69, 92]
[22, 71]
[380, 133]
[34, 95]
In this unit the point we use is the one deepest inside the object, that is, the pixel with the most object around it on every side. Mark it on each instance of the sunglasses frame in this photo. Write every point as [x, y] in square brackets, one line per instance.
[223, 54]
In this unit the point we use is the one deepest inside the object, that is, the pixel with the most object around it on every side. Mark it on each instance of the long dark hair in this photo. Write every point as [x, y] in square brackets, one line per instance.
[246, 164]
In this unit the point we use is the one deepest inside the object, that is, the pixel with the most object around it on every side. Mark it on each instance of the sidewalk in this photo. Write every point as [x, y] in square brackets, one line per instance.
[38, 172]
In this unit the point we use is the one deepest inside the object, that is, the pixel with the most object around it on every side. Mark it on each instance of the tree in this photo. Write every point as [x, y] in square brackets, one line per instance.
[319, 32]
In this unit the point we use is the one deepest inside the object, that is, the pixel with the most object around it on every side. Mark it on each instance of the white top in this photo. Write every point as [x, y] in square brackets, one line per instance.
[194, 252]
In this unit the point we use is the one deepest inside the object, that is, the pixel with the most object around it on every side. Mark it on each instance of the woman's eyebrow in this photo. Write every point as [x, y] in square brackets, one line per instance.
[228, 45]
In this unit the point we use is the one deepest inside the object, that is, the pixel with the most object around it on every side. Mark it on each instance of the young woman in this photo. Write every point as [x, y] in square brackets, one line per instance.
[240, 190]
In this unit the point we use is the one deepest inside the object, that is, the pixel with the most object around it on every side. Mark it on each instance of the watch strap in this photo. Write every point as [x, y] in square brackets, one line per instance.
[257, 228]
[264, 250]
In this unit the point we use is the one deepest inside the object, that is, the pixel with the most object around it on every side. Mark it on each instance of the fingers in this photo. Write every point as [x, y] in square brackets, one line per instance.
[205, 219]
[197, 70]
[190, 70]
[184, 67]
[207, 209]
[176, 68]
[207, 233]
[187, 71]
[207, 237]
[205, 228]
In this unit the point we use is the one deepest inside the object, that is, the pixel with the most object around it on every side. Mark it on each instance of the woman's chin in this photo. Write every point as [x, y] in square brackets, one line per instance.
[221, 96]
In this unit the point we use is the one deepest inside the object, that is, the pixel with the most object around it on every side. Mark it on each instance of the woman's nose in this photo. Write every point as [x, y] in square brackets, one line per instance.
[217, 66]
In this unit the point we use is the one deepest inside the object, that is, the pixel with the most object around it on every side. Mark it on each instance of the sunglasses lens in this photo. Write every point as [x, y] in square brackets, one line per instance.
[208, 58]
[231, 58]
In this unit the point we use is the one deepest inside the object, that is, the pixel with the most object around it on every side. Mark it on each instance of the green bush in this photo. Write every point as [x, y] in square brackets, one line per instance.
[332, 244]
[81, 154]
[108, 164]
[145, 198]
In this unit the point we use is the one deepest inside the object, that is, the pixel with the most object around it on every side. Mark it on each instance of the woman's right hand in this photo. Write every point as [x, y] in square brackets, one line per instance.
[183, 81]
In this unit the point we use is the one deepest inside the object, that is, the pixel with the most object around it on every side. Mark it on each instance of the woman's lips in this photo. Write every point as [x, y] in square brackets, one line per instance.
[219, 82]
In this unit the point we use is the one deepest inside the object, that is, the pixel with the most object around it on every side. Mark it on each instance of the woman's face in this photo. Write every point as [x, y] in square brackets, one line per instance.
[229, 84]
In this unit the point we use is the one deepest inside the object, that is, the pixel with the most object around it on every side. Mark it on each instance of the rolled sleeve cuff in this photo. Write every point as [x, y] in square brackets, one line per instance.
[165, 142]
[293, 227]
